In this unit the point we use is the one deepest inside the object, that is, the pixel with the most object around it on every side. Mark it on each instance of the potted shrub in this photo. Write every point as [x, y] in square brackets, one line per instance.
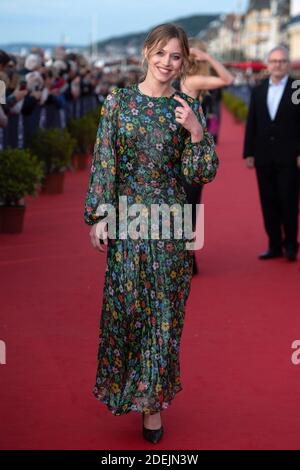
[94, 116]
[236, 106]
[54, 148]
[84, 132]
[242, 112]
[20, 175]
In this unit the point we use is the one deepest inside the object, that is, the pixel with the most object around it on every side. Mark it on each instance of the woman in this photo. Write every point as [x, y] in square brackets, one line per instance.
[201, 68]
[149, 136]
[197, 83]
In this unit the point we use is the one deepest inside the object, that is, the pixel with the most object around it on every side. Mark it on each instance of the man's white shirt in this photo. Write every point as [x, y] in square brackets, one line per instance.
[275, 92]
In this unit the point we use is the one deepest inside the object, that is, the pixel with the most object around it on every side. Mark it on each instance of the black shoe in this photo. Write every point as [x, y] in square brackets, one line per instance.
[291, 255]
[152, 435]
[270, 254]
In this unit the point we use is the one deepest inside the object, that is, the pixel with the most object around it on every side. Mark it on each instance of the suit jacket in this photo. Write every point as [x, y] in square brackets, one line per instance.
[276, 141]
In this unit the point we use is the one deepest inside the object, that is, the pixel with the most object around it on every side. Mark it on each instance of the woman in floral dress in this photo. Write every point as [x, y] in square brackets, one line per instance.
[149, 139]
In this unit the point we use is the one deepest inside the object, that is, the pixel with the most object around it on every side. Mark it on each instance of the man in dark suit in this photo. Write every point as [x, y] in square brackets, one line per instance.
[272, 147]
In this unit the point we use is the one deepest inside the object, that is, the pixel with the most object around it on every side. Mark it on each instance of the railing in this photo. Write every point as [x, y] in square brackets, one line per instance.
[21, 128]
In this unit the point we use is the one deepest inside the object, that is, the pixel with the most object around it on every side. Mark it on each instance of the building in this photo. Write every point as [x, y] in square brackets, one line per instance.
[223, 37]
[265, 27]
[294, 30]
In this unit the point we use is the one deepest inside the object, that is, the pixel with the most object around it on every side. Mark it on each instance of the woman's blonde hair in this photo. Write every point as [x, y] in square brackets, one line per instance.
[161, 35]
[195, 66]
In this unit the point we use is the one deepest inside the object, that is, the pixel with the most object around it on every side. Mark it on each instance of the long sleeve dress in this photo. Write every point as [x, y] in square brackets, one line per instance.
[142, 153]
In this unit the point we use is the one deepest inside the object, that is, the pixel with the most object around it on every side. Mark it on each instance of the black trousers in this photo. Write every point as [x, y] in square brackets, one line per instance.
[279, 197]
[194, 194]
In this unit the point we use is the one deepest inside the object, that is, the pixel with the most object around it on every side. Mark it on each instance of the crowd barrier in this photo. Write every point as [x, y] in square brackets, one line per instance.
[20, 128]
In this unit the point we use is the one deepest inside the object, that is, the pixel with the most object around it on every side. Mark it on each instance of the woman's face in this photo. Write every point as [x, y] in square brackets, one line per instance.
[165, 62]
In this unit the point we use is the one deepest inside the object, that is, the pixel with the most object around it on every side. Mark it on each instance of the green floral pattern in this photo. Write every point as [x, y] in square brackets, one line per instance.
[142, 153]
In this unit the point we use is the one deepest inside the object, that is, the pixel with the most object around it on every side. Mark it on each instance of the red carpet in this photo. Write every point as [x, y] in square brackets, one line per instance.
[241, 390]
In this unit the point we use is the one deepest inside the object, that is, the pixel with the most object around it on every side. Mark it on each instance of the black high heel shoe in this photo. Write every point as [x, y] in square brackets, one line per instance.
[152, 435]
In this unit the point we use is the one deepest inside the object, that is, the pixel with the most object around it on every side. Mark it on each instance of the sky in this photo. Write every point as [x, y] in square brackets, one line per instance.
[79, 21]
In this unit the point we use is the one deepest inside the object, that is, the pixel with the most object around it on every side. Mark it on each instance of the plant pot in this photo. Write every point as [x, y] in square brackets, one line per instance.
[54, 183]
[80, 161]
[12, 219]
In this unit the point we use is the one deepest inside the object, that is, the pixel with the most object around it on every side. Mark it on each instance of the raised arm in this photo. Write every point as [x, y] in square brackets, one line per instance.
[202, 82]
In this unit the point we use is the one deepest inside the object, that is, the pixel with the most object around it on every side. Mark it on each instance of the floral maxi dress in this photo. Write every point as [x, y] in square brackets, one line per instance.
[142, 153]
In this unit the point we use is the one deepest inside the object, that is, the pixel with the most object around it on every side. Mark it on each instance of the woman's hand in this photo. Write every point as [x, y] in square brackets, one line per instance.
[200, 55]
[98, 235]
[187, 118]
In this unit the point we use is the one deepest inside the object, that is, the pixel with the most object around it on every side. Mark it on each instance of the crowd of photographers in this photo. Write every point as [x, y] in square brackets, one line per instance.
[33, 82]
